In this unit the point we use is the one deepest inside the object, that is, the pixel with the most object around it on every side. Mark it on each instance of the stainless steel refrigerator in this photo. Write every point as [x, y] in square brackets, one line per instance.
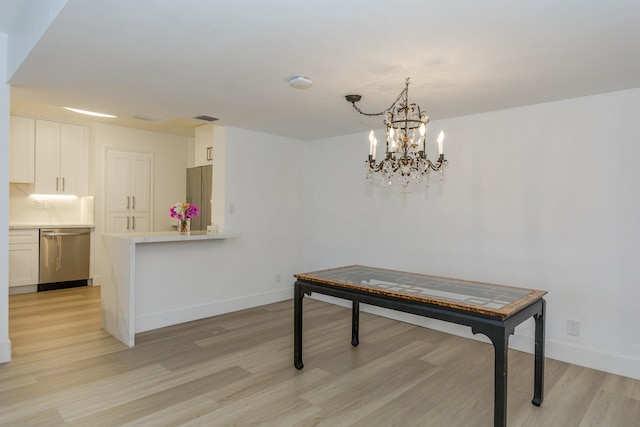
[199, 192]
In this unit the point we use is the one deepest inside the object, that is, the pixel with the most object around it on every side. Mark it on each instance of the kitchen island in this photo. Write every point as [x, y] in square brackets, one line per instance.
[156, 280]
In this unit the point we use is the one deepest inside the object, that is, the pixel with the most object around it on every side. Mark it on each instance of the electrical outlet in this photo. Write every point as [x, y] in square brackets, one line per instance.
[278, 278]
[42, 204]
[573, 328]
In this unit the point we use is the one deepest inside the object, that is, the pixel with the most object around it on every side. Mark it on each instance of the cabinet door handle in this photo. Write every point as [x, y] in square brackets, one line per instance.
[209, 153]
[133, 203]
[63, 184]
[133, 219]
[127, 202]
[127, 223]
[57, 182]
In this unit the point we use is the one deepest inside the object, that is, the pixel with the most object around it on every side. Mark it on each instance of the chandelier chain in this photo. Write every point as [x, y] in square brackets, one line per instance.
[402, 95]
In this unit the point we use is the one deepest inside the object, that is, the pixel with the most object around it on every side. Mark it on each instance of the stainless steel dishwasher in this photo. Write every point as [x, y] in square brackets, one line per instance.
[64, 257]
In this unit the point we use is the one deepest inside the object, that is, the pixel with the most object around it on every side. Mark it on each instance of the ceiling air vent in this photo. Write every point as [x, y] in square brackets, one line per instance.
[147, 117]
[206, 118]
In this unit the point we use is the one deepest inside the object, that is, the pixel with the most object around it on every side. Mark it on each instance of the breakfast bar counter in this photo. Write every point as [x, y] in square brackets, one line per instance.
[155, 280]
[168, 236]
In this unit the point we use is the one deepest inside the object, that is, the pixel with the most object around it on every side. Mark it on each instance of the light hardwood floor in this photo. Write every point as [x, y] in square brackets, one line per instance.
[237, 369]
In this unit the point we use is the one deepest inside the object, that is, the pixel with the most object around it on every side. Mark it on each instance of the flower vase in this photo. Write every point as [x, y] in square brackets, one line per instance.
[184, 227]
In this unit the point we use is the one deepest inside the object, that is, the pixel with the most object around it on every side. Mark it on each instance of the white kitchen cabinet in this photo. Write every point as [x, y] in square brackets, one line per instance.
[24, 257]
[61, 158]
[204, 145]
[22, 150]
[125, 222]
[140, 222]
[128, 192]
[118, 222]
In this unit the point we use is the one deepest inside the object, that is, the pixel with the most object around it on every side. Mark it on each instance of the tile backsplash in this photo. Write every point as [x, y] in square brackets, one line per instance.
[23, 210]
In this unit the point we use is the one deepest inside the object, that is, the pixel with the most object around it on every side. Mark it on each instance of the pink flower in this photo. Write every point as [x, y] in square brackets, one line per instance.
[183, 211]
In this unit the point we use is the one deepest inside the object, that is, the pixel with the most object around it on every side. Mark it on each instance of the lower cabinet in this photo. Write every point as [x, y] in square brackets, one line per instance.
[128, 222]
[24, 256]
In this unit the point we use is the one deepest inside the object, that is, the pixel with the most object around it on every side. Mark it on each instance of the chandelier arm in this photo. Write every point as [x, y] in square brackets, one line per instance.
[436, 166]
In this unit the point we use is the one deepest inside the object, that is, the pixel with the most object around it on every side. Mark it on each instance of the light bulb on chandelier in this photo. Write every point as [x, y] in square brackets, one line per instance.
[405, 156]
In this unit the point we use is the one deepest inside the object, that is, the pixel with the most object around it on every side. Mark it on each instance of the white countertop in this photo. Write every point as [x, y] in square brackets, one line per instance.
[168, 236]
[24, 226]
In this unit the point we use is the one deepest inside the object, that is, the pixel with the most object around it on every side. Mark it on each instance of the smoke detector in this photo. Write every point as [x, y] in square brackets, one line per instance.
[300, 82]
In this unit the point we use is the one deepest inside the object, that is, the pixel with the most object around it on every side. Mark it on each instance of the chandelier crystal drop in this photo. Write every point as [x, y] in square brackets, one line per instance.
[405, 157]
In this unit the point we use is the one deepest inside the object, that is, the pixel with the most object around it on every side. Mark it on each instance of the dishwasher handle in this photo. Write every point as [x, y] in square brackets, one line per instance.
[54, 234]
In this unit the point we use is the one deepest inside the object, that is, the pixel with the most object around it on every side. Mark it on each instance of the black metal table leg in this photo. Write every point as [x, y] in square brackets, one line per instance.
[297, 326]
[538, 386]
[501, 346]
[355, 323]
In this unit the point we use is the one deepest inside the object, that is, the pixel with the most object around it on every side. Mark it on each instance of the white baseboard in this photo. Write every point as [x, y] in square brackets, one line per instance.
[594, 359]
[557, 350]
[5, 351]
[188, 314]
[26, 289]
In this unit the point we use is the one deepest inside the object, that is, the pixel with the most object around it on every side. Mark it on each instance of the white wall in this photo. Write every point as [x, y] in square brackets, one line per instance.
[5, 344]
[544, 197]
[264, 189]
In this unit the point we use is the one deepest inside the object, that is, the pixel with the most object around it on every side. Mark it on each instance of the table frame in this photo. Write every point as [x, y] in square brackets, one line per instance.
[496, 328]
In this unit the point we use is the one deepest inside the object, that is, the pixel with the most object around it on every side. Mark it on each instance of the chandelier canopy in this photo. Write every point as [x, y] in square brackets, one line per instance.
[405, 156]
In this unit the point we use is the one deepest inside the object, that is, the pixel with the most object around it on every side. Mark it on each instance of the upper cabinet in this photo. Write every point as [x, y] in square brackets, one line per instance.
[128, 192]
[128, 181]
[22, 150]
[61, 158]
[204, 145]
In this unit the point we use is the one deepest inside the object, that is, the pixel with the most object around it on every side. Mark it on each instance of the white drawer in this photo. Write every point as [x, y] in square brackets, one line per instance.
[25, 235]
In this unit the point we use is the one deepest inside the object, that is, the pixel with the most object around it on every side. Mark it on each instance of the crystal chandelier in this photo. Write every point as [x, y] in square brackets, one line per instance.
[405, 156]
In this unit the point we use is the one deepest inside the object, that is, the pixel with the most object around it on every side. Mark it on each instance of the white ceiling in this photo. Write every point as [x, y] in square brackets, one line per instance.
[232, 59]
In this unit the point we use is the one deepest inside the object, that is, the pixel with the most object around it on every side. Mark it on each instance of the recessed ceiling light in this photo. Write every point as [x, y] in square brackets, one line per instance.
[300, 82]
[89, 113]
